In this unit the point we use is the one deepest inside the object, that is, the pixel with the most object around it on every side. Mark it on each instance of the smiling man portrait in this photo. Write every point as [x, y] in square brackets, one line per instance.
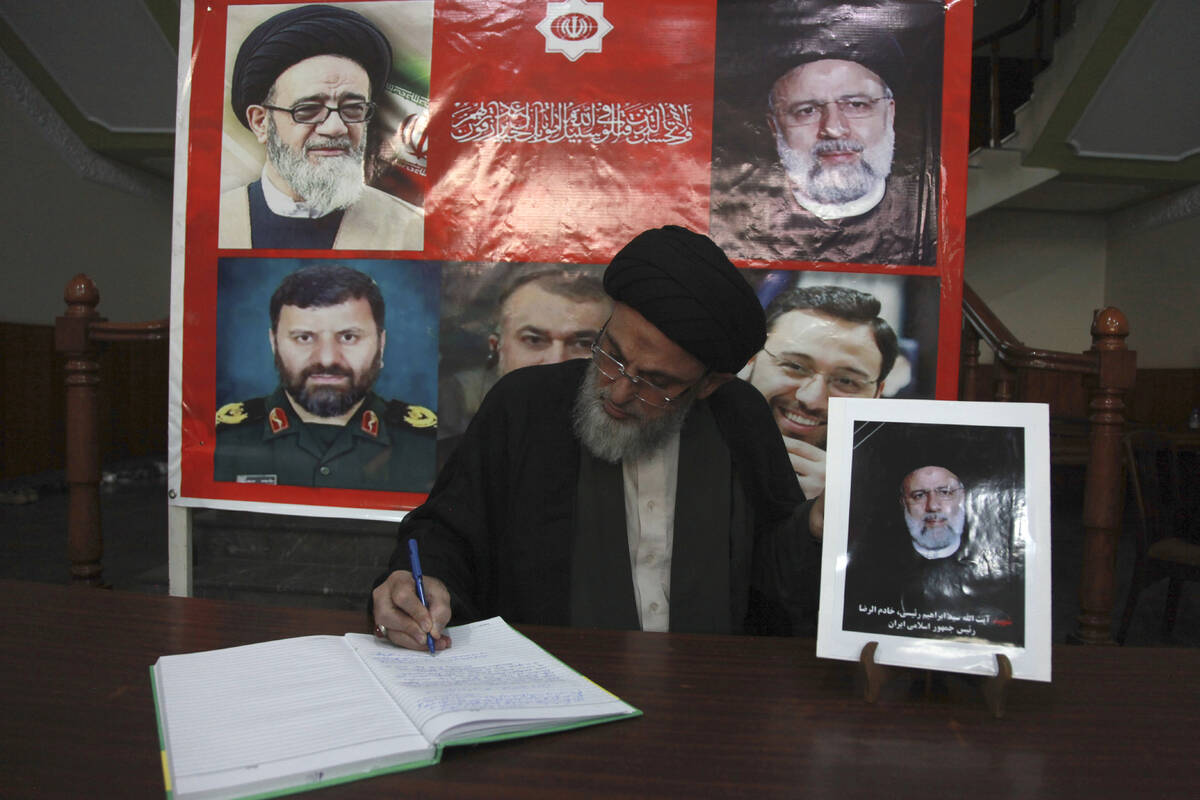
[822, 341]
[306, 84]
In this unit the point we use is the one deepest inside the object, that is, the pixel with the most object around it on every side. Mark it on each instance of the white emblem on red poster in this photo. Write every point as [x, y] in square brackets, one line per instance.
[574, 28]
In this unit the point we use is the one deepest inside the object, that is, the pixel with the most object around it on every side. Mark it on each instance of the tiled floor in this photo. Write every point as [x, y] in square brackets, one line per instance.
[33, 547]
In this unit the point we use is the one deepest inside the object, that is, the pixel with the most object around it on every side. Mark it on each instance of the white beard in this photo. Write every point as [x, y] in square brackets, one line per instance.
[936, 535]
[841, 183]
[327, 186]
[615, 440]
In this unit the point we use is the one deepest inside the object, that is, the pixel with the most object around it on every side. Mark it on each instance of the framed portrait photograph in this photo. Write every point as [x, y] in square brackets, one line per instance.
[937, 535]
[325, 385]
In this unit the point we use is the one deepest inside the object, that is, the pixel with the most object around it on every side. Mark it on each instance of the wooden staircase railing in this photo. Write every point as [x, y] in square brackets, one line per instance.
[78, 335]
[1108, 368]
[1042, 41]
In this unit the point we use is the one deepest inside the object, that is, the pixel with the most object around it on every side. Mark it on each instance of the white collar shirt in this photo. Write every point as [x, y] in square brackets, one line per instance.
[650, 484]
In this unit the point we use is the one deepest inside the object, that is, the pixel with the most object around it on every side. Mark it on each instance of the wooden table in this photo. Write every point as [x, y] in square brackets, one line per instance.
[724, 716]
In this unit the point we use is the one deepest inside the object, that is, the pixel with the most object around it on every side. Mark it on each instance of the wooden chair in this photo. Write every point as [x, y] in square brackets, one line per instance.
[1161, 535]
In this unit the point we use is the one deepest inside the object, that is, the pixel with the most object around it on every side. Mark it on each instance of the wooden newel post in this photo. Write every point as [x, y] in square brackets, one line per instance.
[72, 338]
[1104, 492]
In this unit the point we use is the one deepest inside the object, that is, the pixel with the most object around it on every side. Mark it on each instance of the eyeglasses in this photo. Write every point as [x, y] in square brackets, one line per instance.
[643, 390]
[840, 383]
[809, 113]
[316, 113]
[918, 496]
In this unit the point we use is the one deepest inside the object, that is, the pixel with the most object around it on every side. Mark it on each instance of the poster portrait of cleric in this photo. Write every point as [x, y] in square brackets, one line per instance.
[324, 425]
[826, 140]
[304, 90]
[828, 340]
[498, 318]
[935, 544]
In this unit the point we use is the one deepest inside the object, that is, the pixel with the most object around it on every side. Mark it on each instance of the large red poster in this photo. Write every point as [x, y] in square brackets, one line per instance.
[405, 188]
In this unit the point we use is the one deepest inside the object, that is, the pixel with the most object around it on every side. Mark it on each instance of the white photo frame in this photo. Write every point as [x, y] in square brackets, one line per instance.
[937, 535]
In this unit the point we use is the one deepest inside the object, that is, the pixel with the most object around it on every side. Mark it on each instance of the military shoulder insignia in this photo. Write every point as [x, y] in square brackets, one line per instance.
[409, 416]
[232, 414]
[420, 417]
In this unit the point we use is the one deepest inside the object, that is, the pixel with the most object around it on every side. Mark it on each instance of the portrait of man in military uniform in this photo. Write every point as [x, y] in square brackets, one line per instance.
[324, 425]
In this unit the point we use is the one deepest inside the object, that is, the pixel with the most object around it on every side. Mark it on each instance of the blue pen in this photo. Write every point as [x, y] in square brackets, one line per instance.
[415, 560]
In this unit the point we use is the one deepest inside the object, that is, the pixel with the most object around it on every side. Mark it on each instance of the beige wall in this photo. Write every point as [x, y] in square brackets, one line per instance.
[57, 223]
[1154, 277]
[1041, 273]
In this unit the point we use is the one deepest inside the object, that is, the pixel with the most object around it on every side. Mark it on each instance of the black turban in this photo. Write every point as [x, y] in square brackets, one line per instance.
[685, 286]
[877, 51]
[289, 38]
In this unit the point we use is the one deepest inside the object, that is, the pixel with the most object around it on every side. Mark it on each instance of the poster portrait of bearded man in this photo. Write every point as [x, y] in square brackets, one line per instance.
[304, 90]
[826, 136]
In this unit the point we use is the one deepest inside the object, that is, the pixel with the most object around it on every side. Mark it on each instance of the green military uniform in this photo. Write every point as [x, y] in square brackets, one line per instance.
[386, 445]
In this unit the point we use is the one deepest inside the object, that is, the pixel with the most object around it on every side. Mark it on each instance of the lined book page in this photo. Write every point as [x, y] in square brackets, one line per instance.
[249, 706]
[491, 680]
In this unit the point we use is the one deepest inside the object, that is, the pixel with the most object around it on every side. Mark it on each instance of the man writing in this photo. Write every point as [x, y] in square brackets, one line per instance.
[643, 489]
[832, 195]
[303, 84]
[324, 426]
[822, 341]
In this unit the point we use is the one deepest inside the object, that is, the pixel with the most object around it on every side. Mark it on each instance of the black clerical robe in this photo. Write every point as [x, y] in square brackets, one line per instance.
[976, 592]
[755, 215]
[524, 523]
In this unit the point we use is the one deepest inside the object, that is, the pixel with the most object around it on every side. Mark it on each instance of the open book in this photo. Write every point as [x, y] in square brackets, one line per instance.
[284, 716]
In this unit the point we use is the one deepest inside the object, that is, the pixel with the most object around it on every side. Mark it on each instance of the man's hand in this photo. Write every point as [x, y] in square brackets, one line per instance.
[808, 461]
[404, 618]
[816, 518]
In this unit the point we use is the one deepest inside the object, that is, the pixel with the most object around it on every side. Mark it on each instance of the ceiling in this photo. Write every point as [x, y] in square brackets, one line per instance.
[107, 67]
[1124, 129]
[1113, 113]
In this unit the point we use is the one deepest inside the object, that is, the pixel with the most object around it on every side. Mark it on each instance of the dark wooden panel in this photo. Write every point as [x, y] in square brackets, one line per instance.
[1165, 396]
[31, 400]
[132, 397]
[1159, 396]
[1063, 391]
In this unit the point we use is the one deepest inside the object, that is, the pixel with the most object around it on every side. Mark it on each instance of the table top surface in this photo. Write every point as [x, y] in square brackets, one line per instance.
[723, 715]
